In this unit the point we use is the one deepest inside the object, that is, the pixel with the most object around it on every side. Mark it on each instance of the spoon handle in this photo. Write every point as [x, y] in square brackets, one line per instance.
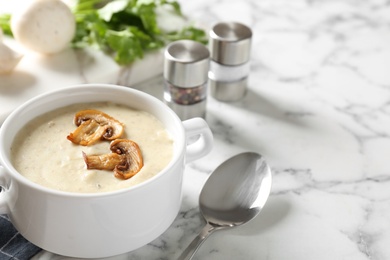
[197, 242]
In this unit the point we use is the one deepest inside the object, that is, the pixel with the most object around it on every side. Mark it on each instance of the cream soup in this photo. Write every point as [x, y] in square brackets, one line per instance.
[42, 153]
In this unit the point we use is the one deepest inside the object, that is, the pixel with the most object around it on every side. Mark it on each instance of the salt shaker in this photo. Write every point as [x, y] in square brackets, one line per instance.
[186, 66]
[229, 44]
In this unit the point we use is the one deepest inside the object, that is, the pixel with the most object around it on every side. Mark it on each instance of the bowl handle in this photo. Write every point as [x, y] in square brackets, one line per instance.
[3, 192]
[199, 138]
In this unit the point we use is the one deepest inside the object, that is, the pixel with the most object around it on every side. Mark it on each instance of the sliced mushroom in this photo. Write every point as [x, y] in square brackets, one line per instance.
[133, 158]
[88, 133]
[94, 125]
[103, 162]
[126, 159]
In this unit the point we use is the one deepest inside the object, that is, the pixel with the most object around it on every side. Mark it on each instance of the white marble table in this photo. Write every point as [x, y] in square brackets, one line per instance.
[318, 109]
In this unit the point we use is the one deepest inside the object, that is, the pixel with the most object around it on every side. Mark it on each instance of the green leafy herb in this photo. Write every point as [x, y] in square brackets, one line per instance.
[125, 29]
[5, 24]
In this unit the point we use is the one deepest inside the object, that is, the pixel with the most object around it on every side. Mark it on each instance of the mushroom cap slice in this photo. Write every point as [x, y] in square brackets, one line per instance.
[133, 158]
[103, 162]
[114, 128]
[87, 133]
[94, 125]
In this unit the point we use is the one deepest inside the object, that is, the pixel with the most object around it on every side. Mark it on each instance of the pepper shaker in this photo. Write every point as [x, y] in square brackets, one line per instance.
[186, 66]
[229, 44]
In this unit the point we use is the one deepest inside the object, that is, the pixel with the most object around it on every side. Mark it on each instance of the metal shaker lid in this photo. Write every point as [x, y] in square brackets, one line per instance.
[186, 63]
[230, 43]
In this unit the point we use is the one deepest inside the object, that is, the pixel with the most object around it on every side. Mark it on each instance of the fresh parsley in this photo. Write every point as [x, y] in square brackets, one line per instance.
[5, 24]
[126, 28]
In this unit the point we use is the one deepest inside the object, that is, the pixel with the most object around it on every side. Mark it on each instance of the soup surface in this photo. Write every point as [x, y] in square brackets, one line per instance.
[42, 153]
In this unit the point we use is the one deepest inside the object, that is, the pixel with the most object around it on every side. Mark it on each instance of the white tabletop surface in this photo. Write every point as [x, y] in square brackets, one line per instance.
[318, 110]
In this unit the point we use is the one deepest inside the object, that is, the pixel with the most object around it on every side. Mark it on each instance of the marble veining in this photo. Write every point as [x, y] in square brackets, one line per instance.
[318, 110]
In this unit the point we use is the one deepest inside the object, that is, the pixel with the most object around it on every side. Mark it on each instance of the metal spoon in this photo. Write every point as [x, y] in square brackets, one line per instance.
[234, 194]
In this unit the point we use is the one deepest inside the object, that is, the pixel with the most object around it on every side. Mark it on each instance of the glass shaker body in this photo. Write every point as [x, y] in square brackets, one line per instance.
[230, 45]
[186, 65]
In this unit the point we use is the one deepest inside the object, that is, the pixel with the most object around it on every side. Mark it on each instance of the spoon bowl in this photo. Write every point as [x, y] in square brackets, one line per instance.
[233, 195]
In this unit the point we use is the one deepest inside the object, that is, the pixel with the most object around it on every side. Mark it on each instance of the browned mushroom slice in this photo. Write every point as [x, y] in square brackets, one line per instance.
[126, 159]
[94, 125]
[88, 133]
[114, 128]
[133, 158]
[103, 162]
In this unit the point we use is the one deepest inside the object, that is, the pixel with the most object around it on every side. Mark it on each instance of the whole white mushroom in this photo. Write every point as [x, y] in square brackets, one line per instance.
[8, 57]
[44, 26]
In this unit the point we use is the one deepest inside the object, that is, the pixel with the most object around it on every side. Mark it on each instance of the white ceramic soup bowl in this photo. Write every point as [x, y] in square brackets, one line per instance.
[101, 224]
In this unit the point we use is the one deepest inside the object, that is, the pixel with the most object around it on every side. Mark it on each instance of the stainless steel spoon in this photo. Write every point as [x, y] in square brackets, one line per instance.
[233, 195]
